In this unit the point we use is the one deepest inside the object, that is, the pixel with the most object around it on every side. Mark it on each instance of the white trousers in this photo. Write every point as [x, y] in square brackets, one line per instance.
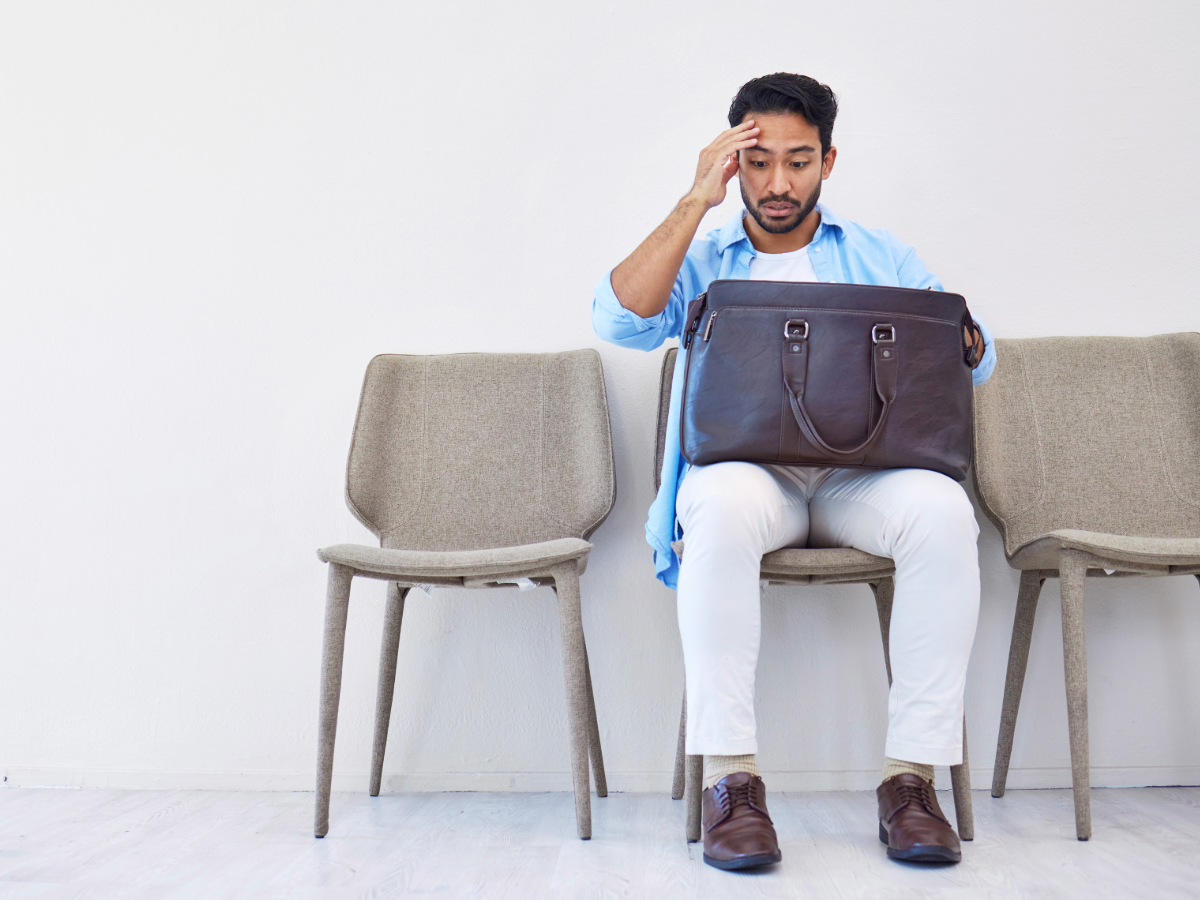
[732, 513]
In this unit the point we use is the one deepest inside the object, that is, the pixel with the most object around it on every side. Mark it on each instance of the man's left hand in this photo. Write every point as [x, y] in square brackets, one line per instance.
[978, 344]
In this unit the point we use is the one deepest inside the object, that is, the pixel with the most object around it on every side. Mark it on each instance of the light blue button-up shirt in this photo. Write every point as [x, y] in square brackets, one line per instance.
[840, 251]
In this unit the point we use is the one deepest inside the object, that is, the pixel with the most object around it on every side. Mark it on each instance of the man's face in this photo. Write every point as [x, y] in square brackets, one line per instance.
[781, 175]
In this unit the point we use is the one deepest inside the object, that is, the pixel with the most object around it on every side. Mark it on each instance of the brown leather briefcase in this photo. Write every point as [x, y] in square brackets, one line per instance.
[811, 374]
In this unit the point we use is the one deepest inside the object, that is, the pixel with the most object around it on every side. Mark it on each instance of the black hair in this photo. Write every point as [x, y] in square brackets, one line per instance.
[784, 92]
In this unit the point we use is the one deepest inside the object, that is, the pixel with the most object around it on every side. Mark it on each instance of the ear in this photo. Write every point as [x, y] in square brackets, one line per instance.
[827, 163]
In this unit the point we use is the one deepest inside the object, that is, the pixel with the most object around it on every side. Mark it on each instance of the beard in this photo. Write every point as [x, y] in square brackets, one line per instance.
[780, 226]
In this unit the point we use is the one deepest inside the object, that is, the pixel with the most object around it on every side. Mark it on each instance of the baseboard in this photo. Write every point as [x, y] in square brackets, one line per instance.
[632, 782]
[1101, 776]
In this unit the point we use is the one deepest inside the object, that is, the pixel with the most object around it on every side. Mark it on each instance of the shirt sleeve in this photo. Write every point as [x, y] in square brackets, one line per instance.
[913, 274]
[620, 326]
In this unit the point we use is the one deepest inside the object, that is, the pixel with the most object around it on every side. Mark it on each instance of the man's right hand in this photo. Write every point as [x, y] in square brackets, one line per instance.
[643, 281]
[719, 163]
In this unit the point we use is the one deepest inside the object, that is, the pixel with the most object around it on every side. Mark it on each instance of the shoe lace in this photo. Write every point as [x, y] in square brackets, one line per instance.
[730, 796]
[921, 795]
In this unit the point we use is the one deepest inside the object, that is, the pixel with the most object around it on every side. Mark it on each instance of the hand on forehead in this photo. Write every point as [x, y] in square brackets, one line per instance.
[784, 133]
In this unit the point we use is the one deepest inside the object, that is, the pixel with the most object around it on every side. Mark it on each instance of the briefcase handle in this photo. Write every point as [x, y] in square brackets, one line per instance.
[795, 374]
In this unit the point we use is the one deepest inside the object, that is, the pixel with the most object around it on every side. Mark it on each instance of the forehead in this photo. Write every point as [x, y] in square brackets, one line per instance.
[785, 130]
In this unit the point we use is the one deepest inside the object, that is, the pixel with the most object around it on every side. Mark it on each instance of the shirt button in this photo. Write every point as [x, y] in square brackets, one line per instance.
[818, 249]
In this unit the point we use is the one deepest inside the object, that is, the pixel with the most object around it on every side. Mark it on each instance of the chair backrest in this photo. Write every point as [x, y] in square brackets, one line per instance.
[664, 406]
[478, 450]
[1094, 433]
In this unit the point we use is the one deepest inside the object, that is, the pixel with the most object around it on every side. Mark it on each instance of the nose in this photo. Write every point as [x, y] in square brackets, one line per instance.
[779, 183]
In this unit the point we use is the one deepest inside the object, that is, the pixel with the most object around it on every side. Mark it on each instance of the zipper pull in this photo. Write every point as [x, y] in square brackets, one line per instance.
[708, 327]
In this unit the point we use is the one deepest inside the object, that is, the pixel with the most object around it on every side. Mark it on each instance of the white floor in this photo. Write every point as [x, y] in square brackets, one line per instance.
[57, 844]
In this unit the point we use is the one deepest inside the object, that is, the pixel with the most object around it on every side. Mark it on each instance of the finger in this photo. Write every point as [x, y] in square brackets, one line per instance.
[719, 153]
[743, 142]
[739, 135]
[744, 130]
[745, 126]
[732, 150]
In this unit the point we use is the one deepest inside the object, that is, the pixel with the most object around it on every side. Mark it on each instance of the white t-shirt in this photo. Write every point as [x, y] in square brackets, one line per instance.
[793, 266]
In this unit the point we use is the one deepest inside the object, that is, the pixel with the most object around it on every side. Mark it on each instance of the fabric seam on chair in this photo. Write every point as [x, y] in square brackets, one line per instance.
[611, 487]
[980, 494]
[542, 501]
[455, 569]
[420, 502]
[1005, 525]
[1162, 442]
[362, 397]
[610, 481]
[612, 459]
[1101, 554]
[1037, 436]
[1108, 554]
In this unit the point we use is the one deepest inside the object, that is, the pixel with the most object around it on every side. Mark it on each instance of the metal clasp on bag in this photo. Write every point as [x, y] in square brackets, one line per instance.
[883, 333]
[792, 330]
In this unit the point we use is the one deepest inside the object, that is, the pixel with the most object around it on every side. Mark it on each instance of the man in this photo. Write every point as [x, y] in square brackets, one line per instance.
[731, 513]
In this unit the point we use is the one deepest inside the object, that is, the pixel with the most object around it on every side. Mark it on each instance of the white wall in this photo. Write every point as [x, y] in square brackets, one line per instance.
[213, 214]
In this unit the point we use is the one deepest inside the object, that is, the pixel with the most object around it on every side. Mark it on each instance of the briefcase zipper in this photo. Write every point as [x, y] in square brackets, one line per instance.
[708, 327]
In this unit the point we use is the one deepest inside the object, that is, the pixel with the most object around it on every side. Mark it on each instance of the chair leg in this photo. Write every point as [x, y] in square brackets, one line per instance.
[1018, 660]
[594, 751]
[392, 616]
[1071, 571]
[960, 780]
[680, 752]
[337, 606]
[570, 617]
[884, 591]
[693, 796]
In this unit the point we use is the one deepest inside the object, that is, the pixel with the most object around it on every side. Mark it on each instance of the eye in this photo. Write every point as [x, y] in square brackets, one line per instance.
[758, 163]
[799, 164]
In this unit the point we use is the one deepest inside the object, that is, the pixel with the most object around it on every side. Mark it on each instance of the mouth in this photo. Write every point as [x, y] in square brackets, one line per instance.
[778, 210]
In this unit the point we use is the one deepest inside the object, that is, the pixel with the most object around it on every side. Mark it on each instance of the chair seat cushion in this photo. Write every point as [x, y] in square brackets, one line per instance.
[419, 564]
[1043, 553]
[825, 561]
[819, 561]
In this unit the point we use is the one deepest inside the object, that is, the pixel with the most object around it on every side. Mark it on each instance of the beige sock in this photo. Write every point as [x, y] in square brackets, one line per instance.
[717, 767]
[894, 767]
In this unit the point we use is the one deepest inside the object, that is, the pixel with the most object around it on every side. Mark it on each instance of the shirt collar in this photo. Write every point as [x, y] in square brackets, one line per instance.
[734, 231]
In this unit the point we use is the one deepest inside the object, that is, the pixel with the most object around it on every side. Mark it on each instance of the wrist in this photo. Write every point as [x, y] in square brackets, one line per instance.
[695, 203]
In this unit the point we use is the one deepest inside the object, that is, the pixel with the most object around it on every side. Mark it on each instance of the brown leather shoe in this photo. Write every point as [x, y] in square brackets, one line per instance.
[912, 824]
[738, 833]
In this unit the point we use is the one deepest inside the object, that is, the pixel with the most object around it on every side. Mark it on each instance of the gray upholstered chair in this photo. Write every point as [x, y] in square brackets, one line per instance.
[799, 566]
[1087, 458]
[473, 469]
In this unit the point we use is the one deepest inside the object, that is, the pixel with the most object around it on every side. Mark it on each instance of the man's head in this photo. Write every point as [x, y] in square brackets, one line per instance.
[781, 175]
